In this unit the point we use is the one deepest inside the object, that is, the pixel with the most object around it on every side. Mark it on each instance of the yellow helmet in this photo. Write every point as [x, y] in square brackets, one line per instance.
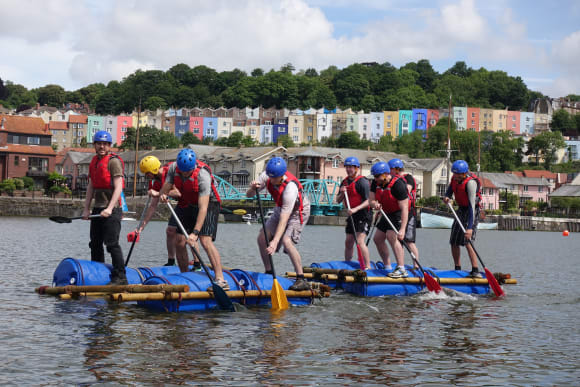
[150, 164]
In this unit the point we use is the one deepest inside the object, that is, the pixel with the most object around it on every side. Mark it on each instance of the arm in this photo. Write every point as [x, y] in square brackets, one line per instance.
[471, 188]
[448, 194]
[88, 200]
[118, 188]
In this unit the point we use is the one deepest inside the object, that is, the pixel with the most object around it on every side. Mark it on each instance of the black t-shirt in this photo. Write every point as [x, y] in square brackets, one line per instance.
[361, 186]
[399, 189]
[410, 181]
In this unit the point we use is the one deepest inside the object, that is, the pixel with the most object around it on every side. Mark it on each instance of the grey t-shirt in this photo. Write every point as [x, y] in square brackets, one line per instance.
[204, 179]
[289, 197]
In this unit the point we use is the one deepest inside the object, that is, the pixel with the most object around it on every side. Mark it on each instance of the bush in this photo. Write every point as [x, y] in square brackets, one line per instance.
[28, 183]
[8, 186]
[18, 183]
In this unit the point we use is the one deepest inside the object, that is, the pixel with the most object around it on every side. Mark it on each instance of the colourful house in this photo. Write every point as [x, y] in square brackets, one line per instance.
[473, 119]
[513, 119]
[485, 119]
[460, 117]
[266, 134]
[94, 124]
[499, 120]
[181, 125]
[377, 125]
[279, 130]
[364, 126]
[420, 120]
[196, 126]
[432, 118]
[210, 127]
[391, 124]
[527, 123]
[123, 123]
[405, 122]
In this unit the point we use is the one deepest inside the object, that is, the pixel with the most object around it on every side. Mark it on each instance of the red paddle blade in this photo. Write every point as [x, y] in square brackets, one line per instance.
[432, 284]
[361, 260]
[493, 284]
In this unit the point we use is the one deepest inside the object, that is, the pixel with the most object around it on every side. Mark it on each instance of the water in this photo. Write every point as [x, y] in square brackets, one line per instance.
[531, 337]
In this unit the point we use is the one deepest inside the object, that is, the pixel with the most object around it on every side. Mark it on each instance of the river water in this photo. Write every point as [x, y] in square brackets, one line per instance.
[529, 338]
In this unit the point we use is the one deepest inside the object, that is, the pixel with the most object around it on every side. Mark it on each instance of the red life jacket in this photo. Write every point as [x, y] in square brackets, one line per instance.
[278, 191]
[156, 184]
[189, 188]
[99, 172]
[460, 191]
[354, 197]
[389, 203]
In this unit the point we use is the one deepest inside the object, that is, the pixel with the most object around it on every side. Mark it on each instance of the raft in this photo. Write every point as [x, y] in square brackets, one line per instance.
[73, 278]
[375, 282]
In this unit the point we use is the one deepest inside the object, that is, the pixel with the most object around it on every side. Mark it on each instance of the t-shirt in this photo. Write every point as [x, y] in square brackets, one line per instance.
[289, 197]
[398, 190]
[362, 187]
[103, 196]
[204, 180]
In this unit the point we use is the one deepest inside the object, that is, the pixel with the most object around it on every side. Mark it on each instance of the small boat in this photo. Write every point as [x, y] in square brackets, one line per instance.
[246, 287]
[375, 282]
[439, 219]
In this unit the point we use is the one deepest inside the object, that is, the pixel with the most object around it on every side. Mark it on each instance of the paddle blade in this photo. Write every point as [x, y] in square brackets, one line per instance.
[493, 284]
[222, 299]
[361, 260]
[60, 219]
[432, 284]
[278, 296]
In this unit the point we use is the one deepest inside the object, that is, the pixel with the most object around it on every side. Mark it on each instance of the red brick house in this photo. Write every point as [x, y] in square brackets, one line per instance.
[25, 148]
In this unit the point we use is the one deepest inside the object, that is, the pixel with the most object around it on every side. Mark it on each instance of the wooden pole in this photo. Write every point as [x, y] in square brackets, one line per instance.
[160, 296]
[71, 289]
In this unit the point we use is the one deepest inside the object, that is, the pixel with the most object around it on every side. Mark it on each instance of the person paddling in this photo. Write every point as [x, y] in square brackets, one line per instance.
[105, 187]
[390, 193]
[465, 187]
[354, 194]
[198, 209]
[288, 220]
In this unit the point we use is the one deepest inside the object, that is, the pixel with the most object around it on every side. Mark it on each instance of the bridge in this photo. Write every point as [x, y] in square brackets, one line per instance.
[321, 193]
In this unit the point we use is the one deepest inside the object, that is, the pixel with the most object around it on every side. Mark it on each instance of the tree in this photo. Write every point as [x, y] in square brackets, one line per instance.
[286, 141]
[257, 72]
[51, 95]
[3, 90]
[189, 138]
[154, 102]
[235, 139]
[562, 121]
[545, 145]
[348, 140]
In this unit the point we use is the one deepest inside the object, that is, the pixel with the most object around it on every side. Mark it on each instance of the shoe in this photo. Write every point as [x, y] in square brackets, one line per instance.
[475, 274]
[300, 284]
[196, 266]
[118, 281]
[170, 262]
[399, 272]
[221, 283]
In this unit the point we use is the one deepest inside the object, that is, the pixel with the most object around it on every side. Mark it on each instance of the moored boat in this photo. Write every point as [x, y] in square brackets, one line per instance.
[440, 219]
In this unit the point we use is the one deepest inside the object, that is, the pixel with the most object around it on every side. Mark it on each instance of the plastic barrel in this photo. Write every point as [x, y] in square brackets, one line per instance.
[71, 271]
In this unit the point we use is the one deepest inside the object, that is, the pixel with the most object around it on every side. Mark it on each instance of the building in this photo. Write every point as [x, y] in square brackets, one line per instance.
[473, 119]
[432, 118]
[391, 124]
[527, 123]
[25, 148]
[377, 122]
[77, 124]
[485, 119]
[420, 120]
[460, 117]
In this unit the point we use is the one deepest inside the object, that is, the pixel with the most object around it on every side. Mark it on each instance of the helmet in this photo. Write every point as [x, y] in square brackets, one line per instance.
[380, 168]
[351, 161]
[460, 166]
[276, 167]
[150, 164]
[396, 163]
[186, 160]
[103, 136]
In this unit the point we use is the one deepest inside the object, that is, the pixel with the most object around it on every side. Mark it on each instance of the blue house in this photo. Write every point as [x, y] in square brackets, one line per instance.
[210, 127]
[279, 130]
[527, 123]
[266, 134]
[419, 120]
[181, 125]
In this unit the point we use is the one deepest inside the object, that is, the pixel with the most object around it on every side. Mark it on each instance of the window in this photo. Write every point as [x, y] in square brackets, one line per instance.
[540, 189]
[37, 164]
[224, 131]
[210, 131]
[225, 124]
[15, 139]
[196, 130]
[267, 123]
[352, 128]
[513, 118]
[378, 126]
[364, 127]
[526, 188]
[122, 137]
[444, 172]
[266, 131]
[310, 129]
[296, 130]
[365, 119]
[16, 161]
[294, 138]
[472, 114]
[210, 123]
[441, 189]
[389, 125]
[335, 163]
[252, 132]
[309, 138]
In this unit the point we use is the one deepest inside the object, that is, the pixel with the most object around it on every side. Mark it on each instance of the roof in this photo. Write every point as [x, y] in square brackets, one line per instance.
[567, 190]
[487, 183]
[76, 157]
[28, 149]
[58, 125]
[505, 180]
[430, 164]
[536, 173]
[25, 125]
[80, 119]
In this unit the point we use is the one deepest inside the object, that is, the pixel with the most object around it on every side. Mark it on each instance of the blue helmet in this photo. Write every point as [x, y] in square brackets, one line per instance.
[186, 160]
[396, 163]
[276, 167]
[351, 161]
[380, 168]
[460, 166]
[103, 136]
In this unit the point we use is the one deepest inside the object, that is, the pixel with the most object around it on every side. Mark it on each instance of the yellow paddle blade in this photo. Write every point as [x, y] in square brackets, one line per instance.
[278, 296]
[240, 211]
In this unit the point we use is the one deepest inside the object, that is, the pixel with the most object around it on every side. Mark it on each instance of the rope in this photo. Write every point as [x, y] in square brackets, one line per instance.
[242, 288]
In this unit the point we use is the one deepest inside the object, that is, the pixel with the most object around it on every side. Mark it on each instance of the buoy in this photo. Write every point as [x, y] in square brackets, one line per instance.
[565, 233]
[240, 211]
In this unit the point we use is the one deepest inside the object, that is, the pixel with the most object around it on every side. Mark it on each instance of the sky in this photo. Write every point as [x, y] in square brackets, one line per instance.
[76, 43]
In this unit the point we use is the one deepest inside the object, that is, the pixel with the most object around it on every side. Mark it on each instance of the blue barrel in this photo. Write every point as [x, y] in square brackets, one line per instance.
[341, 265]
[71, 271]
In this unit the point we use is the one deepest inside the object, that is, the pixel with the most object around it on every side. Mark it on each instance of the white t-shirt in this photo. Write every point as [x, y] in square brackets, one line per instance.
[289, 197]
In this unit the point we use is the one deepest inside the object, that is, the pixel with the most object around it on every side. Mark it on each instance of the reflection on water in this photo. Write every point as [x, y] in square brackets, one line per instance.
[528, 338]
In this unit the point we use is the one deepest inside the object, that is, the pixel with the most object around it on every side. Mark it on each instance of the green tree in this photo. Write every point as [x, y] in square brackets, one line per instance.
[386, 144]
[348, 140]
[546, 145]
[154, 102]
[411, 144]
[235, 139]
[562, 121]
[286, 141]
[51, 95]
[189, 138]
[257, 72]
[3, 90]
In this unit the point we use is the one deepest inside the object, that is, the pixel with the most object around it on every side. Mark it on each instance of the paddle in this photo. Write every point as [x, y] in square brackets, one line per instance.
[488, 274]
[372, 229]
[220, 295]
[137, 236]
[277, 295]
[361, 260]
[432, 284]
[64, 219]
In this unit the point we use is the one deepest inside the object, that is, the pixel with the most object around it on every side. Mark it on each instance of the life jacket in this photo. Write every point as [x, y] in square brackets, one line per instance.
[354, 197]
[189, 188]
[384, 195]
[460, 191]
[278, 191]
[157, 184]
[99, 171]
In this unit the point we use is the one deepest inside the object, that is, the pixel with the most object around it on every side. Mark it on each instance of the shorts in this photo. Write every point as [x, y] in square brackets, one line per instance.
[293, 228]
[394, 217]
[457, 237]
[188, 217]
[362, 222]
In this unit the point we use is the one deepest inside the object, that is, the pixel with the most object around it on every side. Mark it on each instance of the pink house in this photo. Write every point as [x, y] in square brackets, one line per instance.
[196, 126]
[472, 122]
[489, 195]
[513, 122]
[123, 123]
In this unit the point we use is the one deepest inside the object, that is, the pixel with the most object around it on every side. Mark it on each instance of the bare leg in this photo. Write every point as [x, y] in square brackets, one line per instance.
[361, 240]
[293, 253]
[397, 248]
[262, 247]
[415, 251]
[348, 243]
[181, 253]
[456, 253]
[472, 255]
[213, 254]
[379, 239]
[170, 241]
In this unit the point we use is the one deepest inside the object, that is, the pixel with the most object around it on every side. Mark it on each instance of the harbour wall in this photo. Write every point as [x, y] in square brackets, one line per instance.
[45, 207]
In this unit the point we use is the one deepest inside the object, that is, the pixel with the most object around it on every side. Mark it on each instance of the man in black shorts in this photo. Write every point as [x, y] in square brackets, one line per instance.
[355, 188]
[390, 194]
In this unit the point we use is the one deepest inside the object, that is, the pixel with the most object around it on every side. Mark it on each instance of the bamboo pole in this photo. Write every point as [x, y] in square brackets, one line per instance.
[174, 296]
[66, 296]
[137, 288]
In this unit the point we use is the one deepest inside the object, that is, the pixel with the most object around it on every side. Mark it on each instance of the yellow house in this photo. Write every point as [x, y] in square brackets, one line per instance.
[499, 120]
[391, 123]
[485, 119]
[309, 128]
[296, 128]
